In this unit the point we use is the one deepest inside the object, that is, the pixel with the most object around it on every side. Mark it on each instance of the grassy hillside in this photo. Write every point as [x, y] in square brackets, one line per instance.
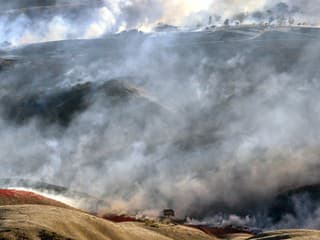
[13, 197]
[47, 222]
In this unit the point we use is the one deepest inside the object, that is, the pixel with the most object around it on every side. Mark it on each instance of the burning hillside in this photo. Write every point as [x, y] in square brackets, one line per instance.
[208, 110]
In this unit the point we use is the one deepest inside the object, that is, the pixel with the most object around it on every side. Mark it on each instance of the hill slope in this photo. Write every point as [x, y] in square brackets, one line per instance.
[14, 197]
[47, 222]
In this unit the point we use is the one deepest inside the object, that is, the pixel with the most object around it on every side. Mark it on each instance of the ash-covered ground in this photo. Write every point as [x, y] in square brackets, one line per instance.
[218, 123]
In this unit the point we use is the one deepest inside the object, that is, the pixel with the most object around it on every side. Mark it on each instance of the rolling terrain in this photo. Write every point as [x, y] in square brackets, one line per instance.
[49, 222]
[220, 125]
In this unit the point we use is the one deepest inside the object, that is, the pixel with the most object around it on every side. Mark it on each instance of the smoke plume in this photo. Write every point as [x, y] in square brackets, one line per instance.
[59, 20]
[208, 121]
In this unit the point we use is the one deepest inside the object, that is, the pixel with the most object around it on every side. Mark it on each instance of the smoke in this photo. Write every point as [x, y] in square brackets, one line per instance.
[238, 120]
[74, 202]
[23, 28]
[303, 214]
[190, 13]
[60, 20]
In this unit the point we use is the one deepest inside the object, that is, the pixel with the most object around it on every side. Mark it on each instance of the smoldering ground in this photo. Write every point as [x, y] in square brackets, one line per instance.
[236, 118]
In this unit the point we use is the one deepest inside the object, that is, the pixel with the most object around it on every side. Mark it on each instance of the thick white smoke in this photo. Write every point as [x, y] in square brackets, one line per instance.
[236, 129]
[115, 16]
[240, 131]
[24, 29]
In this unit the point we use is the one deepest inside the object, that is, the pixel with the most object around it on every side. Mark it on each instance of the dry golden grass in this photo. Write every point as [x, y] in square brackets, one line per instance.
[36, 221]
[173, 232]
[54, 223]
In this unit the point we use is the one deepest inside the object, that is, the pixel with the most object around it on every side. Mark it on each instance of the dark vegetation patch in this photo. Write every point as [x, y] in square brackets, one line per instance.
[46, 235]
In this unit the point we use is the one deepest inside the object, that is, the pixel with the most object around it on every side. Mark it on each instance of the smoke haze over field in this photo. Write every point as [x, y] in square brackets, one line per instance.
[113, 16]
[208, 121]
